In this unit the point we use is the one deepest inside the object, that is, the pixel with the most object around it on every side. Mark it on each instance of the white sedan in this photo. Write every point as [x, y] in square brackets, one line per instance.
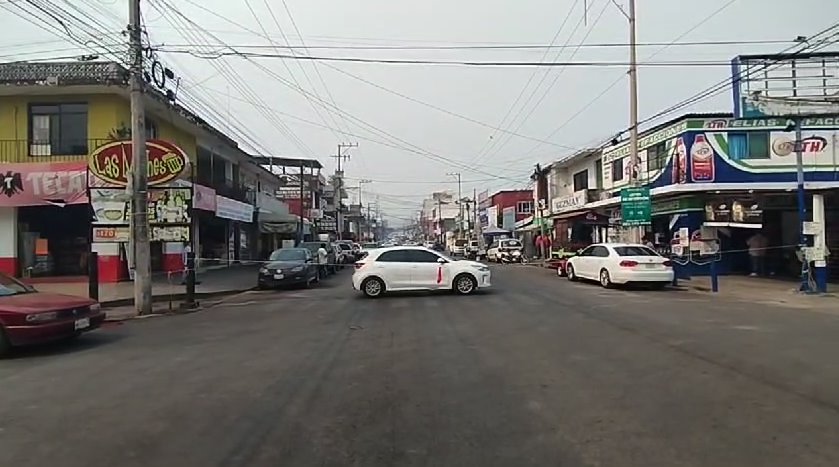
[404, 268]
[620, 263]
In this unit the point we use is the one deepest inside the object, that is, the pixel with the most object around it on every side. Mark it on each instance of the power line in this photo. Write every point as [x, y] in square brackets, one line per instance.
[214, 55]
[503, 143]
[534, 47]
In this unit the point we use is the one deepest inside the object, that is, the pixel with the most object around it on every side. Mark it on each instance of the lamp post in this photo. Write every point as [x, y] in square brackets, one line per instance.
[361, 183]
[459, 203]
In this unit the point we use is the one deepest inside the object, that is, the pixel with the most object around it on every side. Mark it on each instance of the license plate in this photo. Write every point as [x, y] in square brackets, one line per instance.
[83, 323]
[278, 276]
[652, 266]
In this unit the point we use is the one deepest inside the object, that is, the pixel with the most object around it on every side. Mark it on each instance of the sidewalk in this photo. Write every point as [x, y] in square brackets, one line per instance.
[164, 287]
[763, 290]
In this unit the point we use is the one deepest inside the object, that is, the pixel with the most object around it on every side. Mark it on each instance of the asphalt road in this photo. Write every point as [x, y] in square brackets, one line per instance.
[537, 372]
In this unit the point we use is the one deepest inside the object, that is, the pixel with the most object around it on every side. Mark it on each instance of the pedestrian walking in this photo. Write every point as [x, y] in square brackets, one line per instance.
[757, 244]
[323, 258]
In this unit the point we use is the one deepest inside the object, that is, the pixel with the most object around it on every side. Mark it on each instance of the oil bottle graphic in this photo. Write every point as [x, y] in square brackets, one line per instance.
[680, 160]
[701, 160]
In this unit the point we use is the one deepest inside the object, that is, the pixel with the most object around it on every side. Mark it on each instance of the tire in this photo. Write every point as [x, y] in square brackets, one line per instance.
[373, 287]
[5, 345]
[464, 284]
[570, 273]
[559, 271]
[605, 279]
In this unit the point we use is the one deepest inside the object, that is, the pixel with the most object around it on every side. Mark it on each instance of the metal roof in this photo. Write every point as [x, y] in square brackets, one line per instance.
[287, 162]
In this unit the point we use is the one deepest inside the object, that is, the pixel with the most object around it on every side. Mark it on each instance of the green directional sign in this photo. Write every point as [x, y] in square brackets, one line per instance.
[635, 206]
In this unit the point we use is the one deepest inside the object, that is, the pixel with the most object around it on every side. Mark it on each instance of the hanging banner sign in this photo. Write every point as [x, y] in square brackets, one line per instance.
[110, 164]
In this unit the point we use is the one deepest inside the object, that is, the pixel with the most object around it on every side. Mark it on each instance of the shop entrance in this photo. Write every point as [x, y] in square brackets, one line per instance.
[53, 241]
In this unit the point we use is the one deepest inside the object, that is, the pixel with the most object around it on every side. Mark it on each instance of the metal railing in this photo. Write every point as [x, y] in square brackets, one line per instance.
[23, 150]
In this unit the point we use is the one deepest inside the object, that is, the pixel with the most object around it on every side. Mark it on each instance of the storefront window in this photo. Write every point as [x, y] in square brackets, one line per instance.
[58, 129]
[617, 170]
[656, 156]
[749, 145]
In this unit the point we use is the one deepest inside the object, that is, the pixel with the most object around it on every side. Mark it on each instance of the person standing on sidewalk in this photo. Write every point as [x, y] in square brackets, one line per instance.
[757, 244]
[323, 258]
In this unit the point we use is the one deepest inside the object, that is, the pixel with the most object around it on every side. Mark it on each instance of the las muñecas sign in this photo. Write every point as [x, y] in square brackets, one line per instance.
[111, 163]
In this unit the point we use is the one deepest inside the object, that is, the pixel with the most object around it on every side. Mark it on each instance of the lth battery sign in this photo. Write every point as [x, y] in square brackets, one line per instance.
[110, 165]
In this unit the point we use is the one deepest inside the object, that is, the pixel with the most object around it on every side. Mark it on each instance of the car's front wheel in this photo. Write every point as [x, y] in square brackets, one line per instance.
[373, 287]
[605, 278]
[465, 284]
[570, 273]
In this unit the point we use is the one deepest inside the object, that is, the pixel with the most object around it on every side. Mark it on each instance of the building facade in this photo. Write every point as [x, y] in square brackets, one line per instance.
[719, 179]
[53, 116]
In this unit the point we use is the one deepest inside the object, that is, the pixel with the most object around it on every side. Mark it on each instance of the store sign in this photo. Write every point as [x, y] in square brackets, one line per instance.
[569, 203]
[227, 208]
[636, 206]
[676, 205]
[204, 198]
[327, 224]
[734, 211]
[157, 233]
[508, 218]
[112, 206]
[43, 184]
[110, 164]
[783, 145]
[492, 216]
[646, 141]
[768, 123]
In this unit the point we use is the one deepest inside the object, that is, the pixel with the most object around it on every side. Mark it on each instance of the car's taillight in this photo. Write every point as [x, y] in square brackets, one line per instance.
[667, 263]
[359, 265]
[628, 263]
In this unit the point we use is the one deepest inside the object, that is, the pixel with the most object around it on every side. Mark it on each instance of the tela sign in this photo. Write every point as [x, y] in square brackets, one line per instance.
[111, 163]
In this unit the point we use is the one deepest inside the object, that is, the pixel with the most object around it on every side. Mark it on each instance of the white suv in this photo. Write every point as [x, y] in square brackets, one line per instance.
[416, 268]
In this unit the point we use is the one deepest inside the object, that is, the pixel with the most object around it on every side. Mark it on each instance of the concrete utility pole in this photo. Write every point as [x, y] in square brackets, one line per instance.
[139, 169]
[633, 110]
[459, 204]
[361, 184]
[339, 183]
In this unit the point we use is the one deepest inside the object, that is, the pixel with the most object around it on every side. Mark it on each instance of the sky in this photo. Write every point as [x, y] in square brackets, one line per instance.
[415, 124]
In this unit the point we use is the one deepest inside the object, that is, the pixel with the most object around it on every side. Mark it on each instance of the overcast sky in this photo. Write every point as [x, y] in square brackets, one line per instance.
[407, 147]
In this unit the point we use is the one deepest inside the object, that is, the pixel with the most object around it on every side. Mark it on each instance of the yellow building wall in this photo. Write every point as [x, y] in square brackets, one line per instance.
[106, 114]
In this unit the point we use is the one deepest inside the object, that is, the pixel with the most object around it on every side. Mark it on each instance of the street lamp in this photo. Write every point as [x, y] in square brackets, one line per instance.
[459, 203]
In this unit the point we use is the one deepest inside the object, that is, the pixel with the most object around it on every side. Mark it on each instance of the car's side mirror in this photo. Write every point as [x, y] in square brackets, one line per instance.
[441, 261]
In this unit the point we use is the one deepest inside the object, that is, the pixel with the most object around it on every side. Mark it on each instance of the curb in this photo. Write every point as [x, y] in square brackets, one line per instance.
[174, 297]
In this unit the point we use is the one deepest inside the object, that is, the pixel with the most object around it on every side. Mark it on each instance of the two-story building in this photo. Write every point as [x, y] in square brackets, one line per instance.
[721, 179]
[504, 208]
[52, 117]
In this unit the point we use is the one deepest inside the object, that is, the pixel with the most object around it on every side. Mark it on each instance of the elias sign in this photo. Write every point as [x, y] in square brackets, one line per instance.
[111, 163]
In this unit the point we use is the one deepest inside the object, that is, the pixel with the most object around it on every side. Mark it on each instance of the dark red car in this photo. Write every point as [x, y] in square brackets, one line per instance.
[30, 317]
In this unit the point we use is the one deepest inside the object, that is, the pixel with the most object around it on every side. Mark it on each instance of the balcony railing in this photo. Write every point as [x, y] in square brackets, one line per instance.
[21, 150]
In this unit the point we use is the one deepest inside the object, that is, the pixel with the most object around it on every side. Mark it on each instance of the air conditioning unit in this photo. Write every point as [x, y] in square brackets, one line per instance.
[52, 80]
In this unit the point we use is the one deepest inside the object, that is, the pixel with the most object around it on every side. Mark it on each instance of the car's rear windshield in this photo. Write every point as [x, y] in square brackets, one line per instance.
[459, 242]
[511, 244]
[635, 251]
[345, 246]
[288, 254]
[370, 246]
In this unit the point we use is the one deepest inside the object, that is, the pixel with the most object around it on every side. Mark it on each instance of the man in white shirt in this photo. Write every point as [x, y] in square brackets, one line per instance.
[323, 258]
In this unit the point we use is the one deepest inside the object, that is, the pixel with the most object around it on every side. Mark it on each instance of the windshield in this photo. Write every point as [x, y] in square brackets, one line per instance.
[288, 255]
[370, 246]
[635, 251]
[9, 286]
[344, 246]
[460, 242]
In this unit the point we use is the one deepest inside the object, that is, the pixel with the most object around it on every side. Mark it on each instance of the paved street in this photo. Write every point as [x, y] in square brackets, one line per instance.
[537, 372]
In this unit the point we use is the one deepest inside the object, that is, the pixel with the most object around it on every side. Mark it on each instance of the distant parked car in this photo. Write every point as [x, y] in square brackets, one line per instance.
[289, 266]
[620, 263]
[29, 317]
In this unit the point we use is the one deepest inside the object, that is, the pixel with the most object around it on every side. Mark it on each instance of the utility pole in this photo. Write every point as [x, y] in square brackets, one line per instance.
[361, 184]
[139, 169]
[633, 111]
[459, 204]
[339, 183]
